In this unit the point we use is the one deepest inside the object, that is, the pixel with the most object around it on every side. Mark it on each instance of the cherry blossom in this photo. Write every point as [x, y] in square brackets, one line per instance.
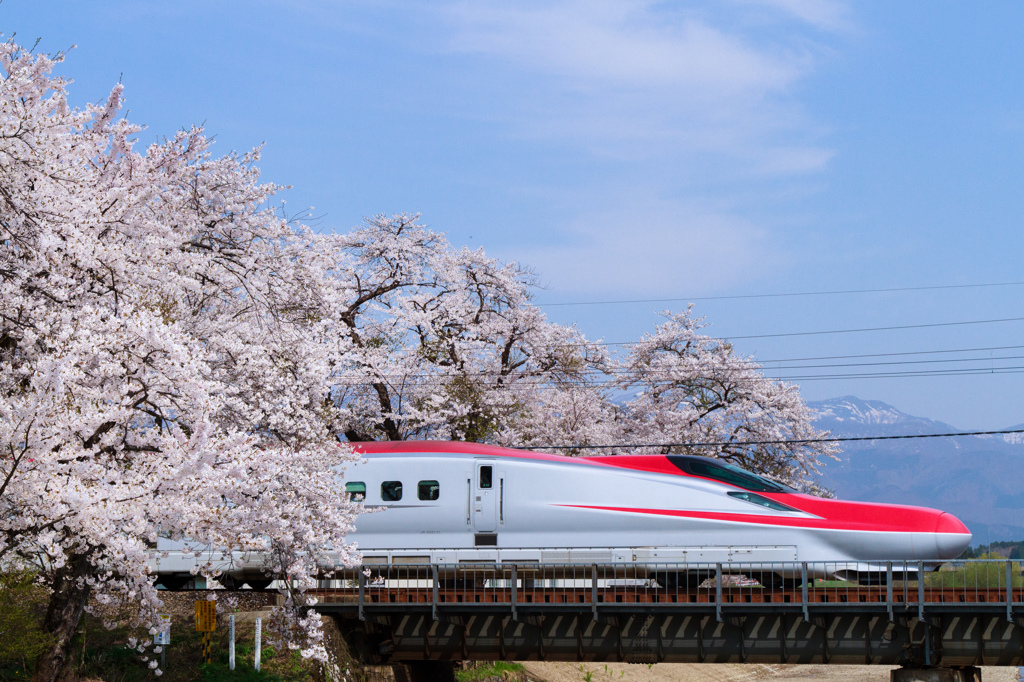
[166, 348]
[180, 361]
[446, 344]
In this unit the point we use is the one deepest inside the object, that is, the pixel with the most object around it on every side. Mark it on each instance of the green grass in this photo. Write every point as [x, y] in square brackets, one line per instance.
[831, 583]
[22, 605]
[492, 669]
[103, 654]
[977, 575]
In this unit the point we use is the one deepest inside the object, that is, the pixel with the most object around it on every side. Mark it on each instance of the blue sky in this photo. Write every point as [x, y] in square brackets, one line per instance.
[637, 150]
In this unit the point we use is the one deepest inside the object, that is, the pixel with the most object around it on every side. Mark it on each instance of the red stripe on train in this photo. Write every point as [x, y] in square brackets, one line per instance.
[924, 521]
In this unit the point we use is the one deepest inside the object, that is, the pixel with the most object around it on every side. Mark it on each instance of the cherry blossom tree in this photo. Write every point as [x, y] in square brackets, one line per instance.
[178, 360]
[166, 347]
[690, 388]
[444, 343]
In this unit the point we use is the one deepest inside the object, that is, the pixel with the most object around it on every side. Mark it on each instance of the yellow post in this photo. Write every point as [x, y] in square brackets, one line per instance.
[206, 623]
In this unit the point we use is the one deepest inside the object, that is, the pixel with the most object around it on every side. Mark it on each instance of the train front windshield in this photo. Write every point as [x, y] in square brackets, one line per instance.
[718, 470]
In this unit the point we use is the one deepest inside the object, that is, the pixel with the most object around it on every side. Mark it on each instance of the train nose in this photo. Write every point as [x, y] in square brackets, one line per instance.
[951, 536]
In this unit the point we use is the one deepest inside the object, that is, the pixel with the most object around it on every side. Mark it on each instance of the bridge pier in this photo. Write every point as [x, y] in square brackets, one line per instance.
[425, 671]
[965, 674]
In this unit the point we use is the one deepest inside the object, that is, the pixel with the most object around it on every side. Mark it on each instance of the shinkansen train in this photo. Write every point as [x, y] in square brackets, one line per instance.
[465, 504]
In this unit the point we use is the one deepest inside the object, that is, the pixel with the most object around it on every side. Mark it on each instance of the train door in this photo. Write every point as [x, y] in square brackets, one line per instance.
[485, 497]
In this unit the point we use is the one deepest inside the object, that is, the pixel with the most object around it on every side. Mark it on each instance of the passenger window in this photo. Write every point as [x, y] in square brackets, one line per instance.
[391, 491]
[356, 491]
[485, 477]
[429, 490]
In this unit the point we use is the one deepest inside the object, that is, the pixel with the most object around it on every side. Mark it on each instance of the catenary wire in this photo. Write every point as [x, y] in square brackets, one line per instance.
[799, 441]
[764, 364]
[550, 385]
[779, 295]
[777, 372]
[848, 331]
[882, 355]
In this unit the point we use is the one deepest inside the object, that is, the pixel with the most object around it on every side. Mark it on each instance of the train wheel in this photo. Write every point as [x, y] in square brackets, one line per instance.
[868, 578]
[230, 582]
[173, 583]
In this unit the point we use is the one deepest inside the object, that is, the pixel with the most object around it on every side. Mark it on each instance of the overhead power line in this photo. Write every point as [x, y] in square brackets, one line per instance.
[886, 355]
[879, 329]
[780, 295]
[772, 366]
[835, 331]
[902, 374]
[606, 378]
[803, 441]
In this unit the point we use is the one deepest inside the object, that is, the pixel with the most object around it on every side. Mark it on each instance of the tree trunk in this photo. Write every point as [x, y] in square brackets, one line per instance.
[63, 614]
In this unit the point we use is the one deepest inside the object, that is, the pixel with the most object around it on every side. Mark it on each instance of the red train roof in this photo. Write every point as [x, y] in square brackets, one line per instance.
[658, 464]
[831, 513]
[455, 447]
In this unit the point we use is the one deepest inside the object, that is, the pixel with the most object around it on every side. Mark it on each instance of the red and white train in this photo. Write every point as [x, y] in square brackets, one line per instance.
[466, 503]
[453, 503]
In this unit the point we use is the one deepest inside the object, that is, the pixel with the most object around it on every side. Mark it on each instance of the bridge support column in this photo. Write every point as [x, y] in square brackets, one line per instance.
[967, 674]
[424, 671]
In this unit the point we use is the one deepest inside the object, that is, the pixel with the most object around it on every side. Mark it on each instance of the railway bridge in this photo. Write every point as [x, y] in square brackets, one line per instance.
[936, 625]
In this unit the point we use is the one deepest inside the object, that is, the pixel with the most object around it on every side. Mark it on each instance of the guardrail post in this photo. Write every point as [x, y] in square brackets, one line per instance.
[920, 591]
[433, 608]
[718, 592]
[1009, 591]
[888, 588]
[515, 587]
[362, 594]
[593, 589]
[803, 589]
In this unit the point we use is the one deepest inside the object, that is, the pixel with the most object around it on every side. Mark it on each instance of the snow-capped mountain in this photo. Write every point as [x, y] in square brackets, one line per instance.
[978, 478]
[1013, 438]
[855, 417]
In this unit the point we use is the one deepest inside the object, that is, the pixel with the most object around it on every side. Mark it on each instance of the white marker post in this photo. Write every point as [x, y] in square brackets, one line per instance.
[256, 662]
[231, 642]
[163, 636]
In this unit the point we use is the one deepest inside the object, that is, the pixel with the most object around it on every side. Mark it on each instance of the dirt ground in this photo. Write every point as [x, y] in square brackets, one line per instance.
[726, 672]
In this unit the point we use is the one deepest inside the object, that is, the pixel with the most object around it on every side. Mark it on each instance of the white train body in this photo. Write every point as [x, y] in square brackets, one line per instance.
[496, 504]
[432, 502]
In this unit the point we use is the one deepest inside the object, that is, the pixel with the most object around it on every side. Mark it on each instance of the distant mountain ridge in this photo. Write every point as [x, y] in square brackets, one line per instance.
[977, 478]
[856, 417]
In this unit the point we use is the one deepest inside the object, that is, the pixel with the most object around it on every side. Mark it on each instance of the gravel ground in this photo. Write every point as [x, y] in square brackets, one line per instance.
[728, 672]
[182, 604]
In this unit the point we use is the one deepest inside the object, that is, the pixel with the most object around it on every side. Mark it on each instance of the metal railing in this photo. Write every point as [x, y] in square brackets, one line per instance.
[896, 585]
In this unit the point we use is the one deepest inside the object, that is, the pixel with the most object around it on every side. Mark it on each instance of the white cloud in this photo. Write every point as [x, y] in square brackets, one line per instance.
[823, 14]
[619, 43]
[636, 79]
[653, 246]
[687, 96]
